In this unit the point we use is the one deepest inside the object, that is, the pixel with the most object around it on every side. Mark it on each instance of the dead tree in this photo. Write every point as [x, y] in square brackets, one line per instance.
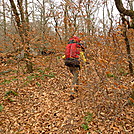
[124, 12]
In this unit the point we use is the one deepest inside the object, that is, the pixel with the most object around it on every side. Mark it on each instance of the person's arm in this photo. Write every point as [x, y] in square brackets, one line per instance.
[63, 57]
[82, 56]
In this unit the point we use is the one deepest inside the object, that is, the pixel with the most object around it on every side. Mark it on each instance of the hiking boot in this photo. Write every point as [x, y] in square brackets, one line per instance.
[74, 90]
[72, 97]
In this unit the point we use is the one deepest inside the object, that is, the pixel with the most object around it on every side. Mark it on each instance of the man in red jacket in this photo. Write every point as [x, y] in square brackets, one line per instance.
[73, 54]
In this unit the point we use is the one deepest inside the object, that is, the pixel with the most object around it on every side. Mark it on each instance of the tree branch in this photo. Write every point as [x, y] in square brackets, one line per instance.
[122, 10]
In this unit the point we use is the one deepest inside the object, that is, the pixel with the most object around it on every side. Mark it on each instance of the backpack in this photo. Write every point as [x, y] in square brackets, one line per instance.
[71, 50]
[72, 55]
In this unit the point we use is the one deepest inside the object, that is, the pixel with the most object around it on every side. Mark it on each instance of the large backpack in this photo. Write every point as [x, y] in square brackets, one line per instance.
[71, 50]
[72, 55]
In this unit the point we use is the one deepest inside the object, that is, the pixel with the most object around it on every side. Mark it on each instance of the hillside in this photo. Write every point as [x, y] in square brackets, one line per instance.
[40, 102]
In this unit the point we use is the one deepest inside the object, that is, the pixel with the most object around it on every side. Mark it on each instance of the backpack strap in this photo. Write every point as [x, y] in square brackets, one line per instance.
[71, 42]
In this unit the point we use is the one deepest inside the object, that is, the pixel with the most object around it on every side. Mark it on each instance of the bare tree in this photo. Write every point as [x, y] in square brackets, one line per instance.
[4, 21]
[89, 14]
[17, 19]
[65, 20]
[124, 12]
[110, 16]
[22, 25]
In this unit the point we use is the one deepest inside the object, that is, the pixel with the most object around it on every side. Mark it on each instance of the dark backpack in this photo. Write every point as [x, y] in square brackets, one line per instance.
[70, 62]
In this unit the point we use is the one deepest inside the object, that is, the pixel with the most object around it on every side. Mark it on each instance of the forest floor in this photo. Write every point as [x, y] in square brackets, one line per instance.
[40, 102]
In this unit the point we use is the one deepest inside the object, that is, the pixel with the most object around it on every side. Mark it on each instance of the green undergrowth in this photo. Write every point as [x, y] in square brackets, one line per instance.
[87, 119]
[37, 75]
[9, 95]
[1, 107]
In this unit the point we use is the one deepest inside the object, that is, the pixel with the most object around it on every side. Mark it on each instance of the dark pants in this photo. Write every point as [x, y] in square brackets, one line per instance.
[74, 67]
[75, 73]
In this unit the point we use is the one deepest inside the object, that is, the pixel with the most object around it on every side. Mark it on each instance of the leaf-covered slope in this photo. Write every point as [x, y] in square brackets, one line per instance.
[42, 104]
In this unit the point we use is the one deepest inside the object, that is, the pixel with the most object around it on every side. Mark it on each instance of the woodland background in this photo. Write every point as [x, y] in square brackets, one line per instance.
[35, 83]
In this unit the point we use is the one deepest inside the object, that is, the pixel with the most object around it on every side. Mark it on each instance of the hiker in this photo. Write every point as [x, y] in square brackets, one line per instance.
[74, 54]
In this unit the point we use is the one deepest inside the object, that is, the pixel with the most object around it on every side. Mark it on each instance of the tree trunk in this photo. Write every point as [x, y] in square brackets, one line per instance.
[127, 45]
[23, 27]
[88, 18]
[129, 13]
[123, 11]
[128, 52]
[17, 19]
[104, 25]
[65, 22]
[29, 66]
[4, 22]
